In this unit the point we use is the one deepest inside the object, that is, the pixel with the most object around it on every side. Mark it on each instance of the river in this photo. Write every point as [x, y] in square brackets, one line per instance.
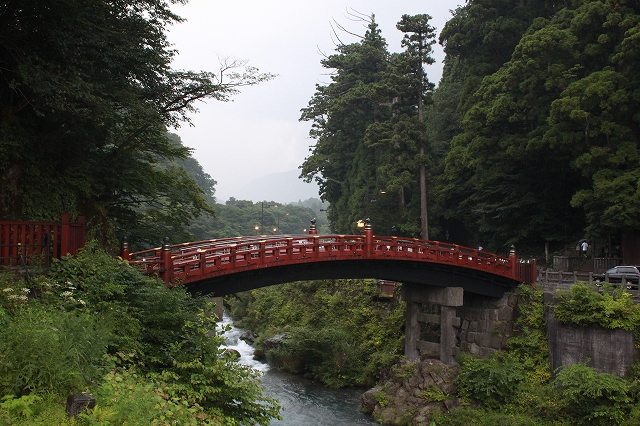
[304, 403]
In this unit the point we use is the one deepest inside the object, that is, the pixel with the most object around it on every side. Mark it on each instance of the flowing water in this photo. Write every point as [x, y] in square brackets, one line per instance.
[305, 403]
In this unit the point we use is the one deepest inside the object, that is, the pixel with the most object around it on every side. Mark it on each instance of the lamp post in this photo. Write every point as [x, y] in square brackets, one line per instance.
[262, 213]
[367, 201]
[384, 192]
[257, 228]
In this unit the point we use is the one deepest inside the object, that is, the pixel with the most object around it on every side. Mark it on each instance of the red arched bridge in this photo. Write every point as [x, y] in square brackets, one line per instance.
[230, 265]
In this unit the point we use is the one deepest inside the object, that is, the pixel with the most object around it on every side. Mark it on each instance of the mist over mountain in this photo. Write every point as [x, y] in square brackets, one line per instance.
[284, 187]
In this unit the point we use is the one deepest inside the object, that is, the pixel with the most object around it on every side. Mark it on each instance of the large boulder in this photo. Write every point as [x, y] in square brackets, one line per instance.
[274, 342]
[412, 392]
[249, 336]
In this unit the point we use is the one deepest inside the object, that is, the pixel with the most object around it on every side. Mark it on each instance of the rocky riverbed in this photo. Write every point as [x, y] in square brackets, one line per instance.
[411, 392]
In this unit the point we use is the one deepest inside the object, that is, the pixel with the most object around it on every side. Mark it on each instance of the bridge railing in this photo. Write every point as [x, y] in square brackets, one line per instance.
[204, 259]
[23, 243]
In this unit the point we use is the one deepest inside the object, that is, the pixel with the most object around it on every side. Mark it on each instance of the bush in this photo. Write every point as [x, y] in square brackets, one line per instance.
[53, 351]
[467, 416]
[584, 305]
[493, 382]
[94, 314]
[328, 355]
[341, 334]
[591, 398]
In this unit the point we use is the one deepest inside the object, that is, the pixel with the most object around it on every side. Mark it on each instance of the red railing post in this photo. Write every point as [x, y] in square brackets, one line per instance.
[124, 250]
[80, 234]
[65, 235]
[5, 240]
[166, 271]
[232, 255]
[368, 237]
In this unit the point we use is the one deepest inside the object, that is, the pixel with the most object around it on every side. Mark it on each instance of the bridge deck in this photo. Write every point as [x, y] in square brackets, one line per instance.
[204, 260]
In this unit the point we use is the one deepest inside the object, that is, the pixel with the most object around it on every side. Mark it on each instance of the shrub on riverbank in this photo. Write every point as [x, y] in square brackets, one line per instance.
[145, 351]
[338, 331]
[515, 387]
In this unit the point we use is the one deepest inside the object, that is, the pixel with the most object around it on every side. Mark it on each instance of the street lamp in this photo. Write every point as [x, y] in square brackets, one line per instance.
[384, 192]
[257, 228]
[262, 210]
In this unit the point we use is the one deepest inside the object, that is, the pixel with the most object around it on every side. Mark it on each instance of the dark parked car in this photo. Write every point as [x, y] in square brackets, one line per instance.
[631, 275]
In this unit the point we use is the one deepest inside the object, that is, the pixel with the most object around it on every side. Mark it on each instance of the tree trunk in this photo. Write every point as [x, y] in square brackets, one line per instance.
[423, 200]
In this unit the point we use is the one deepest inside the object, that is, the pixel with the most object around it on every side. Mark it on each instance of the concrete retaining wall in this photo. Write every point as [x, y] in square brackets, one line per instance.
[603, 349]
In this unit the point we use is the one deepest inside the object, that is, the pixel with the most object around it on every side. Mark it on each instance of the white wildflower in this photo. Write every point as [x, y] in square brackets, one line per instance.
[25, 290]
[7, 290]
[66, 294]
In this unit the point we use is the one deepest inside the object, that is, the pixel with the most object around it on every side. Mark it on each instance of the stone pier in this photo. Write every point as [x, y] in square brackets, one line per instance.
[447, 298]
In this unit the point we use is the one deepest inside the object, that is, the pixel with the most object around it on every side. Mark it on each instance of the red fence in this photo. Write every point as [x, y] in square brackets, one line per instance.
[29, 242]
[192, 262]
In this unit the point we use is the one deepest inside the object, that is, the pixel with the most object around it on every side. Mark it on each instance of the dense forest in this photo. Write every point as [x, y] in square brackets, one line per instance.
[530, 137]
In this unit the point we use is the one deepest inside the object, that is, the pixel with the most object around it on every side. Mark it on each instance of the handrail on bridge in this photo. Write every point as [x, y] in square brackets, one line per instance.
[195, 261]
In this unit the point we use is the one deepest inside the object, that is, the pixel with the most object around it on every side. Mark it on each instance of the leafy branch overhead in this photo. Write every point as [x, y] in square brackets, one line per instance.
[87, 94]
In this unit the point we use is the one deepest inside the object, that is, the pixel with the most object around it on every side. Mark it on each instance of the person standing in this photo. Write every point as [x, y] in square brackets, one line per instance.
[584, 247]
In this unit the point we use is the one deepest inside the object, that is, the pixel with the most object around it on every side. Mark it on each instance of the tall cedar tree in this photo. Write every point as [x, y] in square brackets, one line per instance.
[340, 112]
[400, 140]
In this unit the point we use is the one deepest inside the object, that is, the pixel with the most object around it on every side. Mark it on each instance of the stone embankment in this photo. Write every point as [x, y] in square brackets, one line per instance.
[411, 392]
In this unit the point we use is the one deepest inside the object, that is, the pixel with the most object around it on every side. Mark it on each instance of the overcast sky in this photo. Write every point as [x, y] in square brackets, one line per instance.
[258, 133]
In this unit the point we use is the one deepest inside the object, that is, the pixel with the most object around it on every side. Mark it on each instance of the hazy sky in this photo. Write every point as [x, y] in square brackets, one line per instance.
[258, 133]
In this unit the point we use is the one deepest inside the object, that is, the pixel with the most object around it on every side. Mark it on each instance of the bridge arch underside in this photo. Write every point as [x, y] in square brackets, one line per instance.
[432, 274]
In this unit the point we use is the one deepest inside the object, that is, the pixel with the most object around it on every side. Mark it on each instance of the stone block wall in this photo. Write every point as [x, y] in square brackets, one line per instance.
[485, 323]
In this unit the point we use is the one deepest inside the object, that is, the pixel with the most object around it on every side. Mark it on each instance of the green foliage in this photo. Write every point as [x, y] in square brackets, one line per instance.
[556, 94]
[492, 381]
[33, 410]
[148, 352]
[467, 416]
[48, 350]
[404, 370]
[340, 113]
[329, 355]
[611, 308]
[20, 407]
[434, 394]
[240, 217]
[592, 398]
[336, 331]
[529, 340]
[87, 96]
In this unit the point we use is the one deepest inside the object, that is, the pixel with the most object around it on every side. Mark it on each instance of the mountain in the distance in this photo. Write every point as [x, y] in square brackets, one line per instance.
[283, 187]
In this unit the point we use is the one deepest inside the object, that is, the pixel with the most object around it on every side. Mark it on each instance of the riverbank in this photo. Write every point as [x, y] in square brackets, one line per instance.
[304, 402]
